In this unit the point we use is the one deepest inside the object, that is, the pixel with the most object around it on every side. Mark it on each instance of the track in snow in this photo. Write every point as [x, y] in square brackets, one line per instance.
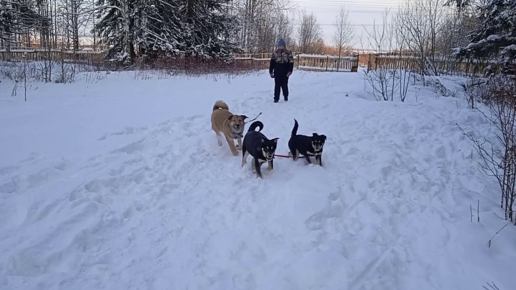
[170, 209]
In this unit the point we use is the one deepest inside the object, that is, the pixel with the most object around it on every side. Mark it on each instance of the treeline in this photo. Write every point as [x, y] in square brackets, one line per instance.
[217, 28]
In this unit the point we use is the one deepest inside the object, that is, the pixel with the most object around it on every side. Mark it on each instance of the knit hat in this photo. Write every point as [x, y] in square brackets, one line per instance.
[281, 42]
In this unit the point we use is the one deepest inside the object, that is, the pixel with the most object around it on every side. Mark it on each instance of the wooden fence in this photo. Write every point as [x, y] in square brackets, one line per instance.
[54, 55]
[348, 63]
[443, 65]
[260, 61]
[308, 62]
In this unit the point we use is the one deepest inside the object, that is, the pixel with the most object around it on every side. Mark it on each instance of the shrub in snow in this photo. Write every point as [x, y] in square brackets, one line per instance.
[499, 160]
[385, 84]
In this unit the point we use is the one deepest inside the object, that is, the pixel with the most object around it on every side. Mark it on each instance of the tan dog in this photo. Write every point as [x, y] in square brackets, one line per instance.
[232, 126]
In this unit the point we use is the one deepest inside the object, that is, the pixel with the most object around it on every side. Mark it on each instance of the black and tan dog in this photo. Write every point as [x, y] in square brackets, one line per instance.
[260, 147]
[225, 122]
[306, 145]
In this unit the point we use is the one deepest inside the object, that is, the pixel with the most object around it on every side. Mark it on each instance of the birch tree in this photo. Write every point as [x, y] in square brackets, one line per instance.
[309, 32]
[343, 33]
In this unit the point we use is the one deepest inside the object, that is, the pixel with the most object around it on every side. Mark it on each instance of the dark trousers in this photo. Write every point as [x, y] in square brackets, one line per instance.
[280, 83]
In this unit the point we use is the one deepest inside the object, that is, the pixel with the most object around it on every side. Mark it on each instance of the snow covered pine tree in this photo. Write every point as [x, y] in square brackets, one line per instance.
[496, 37]
[209, 29]
[168, 27]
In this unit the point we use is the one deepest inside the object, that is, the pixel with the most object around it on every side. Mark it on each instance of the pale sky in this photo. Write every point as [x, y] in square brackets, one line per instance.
[361, 13]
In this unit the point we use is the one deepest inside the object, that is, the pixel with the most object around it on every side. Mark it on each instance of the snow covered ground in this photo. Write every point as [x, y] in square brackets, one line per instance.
[115, 182]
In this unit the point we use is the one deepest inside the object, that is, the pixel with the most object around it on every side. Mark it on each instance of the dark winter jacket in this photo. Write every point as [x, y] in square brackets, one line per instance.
[282, 62]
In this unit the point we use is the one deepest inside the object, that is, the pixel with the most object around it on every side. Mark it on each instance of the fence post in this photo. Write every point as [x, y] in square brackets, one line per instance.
[353, 63]
[298, 59]
[327, 60]
[62, 66]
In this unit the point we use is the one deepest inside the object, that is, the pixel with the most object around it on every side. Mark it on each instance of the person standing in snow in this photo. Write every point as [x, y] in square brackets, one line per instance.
[280, 68]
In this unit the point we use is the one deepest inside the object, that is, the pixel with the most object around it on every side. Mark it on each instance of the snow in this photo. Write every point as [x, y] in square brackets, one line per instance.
[118, 183]
[510, 47]
[493, 37]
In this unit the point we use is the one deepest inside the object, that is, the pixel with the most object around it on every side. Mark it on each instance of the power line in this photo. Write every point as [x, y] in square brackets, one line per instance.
[328, 24]
[346, 2]
[329, 3]
[349, 6]
[364, 6]
[352, 11]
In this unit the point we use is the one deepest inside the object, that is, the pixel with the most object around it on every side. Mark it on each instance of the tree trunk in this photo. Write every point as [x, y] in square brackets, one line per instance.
[190, 8]
[127, 30]
[338, 62]
[75, 25]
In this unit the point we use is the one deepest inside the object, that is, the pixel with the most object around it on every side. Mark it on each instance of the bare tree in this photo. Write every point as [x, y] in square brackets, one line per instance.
[309, 33]
[319, 47]
[384, 81]
[343, 33]
[418, 23]
[458, 28]
[261, 22]
[454, 34]
[464, 19]
[285, 30]
[381, 39]
[77, 18]
[270, 29]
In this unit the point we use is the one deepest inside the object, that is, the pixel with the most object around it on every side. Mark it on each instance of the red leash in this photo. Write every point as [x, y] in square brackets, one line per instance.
[284, 156]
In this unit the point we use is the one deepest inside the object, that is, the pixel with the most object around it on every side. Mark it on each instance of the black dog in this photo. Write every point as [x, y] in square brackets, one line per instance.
[258, 146]
[305, 145]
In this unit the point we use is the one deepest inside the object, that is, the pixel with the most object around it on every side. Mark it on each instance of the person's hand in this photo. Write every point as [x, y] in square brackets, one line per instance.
[272, 75]
[289, 73]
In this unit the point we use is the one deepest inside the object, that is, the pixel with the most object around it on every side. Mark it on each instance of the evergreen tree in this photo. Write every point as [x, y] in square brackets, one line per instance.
[159, 27]
[496, 37]
[116, 27]
[459, 4]
[171, 27]
[208, 30]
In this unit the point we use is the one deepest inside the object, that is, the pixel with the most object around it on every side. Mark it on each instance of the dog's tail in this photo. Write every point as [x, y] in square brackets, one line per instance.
[294, 130]
[220, 105]
[254, 125]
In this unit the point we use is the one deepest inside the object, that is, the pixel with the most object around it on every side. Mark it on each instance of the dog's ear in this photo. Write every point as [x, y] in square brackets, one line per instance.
[323, 137]
[314, 135]
[244, 117]
[275, 140]
[231, 117]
